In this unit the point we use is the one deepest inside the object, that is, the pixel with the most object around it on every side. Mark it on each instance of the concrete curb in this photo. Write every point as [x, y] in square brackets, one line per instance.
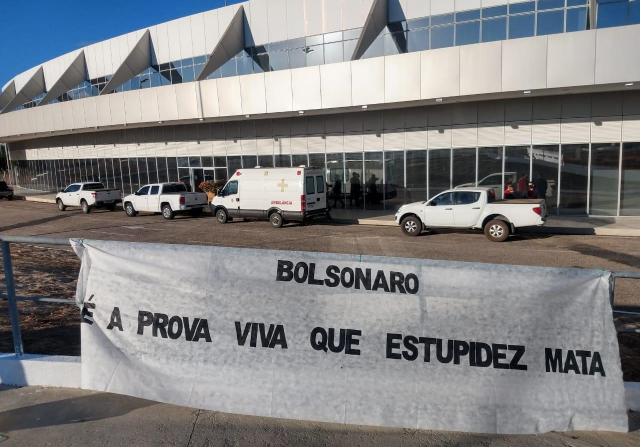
[34, 199]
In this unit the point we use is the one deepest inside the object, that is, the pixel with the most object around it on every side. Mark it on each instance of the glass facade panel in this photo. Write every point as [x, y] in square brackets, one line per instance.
[418, 40]
[299, 160]
[574, 179]
[335, 180]
[249, 161]
[467, 33]
[550, 4]
[521, 26]
[545, 174]
[283, 161]
[394, 192]
[518, 8]
[416, 189]
[439, 171]
[576, 19]
[172, 168]
[612, 14]
[494, 29]
[605, 159]
[333, 52]
[233, 164]
[551, 22]
[266, 161]
[495, 11]
[464, 167]
[373, 180]
[465, 16]
[517, 163]
[163, 175]
[353, 173]
[442, 37]
[634, 12]
[630, 188]
[317, 161]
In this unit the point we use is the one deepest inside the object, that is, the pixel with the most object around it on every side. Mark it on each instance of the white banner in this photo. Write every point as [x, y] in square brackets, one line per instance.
[352, 339]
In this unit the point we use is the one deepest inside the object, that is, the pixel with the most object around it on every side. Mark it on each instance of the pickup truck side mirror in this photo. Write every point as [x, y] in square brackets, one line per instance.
[433, 204]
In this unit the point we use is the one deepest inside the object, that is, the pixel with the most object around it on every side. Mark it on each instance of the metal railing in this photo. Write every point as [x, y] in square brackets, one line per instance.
[6, 242]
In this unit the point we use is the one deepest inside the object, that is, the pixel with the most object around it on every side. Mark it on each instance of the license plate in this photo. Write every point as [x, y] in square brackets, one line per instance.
[108, 201]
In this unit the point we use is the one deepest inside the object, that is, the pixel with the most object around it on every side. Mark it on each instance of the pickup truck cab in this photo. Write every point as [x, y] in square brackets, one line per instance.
[88, 196]
[5, 191]
[166, 198]
[472, 208]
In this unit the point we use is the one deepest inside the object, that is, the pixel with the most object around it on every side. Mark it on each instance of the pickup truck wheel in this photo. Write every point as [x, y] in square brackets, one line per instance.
[221, 216]
[167, 212]
[130, 210]
[86, 209]
[10, 198]
[411, 226]
[276, 220]
[497, 231]
[61, 206]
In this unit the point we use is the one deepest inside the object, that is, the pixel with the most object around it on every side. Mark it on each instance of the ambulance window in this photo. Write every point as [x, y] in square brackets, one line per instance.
[320, 183]
[311, 189]
[232, 188]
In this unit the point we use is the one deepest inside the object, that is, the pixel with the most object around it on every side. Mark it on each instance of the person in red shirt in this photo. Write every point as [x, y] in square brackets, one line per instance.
[523, 186]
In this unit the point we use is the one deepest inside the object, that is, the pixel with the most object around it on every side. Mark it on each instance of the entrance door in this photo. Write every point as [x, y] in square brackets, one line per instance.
[197, 177]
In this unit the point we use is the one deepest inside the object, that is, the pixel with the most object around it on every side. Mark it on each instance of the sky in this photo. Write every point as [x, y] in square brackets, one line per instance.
[35, 31]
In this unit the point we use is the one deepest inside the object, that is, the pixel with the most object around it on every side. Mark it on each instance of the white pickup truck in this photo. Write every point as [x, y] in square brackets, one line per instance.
[472, 208]
[88, 196]
[166, 198]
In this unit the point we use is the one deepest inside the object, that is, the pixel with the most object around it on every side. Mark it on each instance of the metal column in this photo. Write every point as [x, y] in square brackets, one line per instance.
[11, 294]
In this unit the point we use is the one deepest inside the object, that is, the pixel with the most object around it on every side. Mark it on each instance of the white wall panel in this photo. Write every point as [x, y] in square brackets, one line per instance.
[167, 102]
[90, 112]
[78, 114]
[606, 129]
[104, 110]
[31, 121]
[331, 15]
[464, 136]
[394, 140]
[211, 30]
[416, 139]
[353, 15]
[440, 73]
[442, 7]
[402, 77]
[116, 105]
[277, 18]
[209, 98]
[418, 8]
[631, 128]
[198, 37]
[312, 17]
[132, 106]
[335, 85]
[186, 47]
[439, 137]
[571, 59]
[480, 68]
[229, 97]
[575, 130]
[517, 132]
[256, 11]
[371, 141]
[264, 146]
[617, 55]
[295, 19]
[186, 100]
[173, 34]
[464, 5]
[153, 36]
[491, 134]
[297, 144]
[162, 46]
[149, 104]
[524, 64]
[278, 91]
[305, 84]
[252, 89]
[367, 81]
[333, 143]
[546, 132]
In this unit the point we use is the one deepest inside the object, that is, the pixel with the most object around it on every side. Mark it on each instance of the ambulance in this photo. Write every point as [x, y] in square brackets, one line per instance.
[277, 194]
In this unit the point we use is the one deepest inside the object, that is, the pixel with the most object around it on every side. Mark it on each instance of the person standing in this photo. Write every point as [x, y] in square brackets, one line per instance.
[540, 186]
[355, 189]
[337, 192]
[523, 186]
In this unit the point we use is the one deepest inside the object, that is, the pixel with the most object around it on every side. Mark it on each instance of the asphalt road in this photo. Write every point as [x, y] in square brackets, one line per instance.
[611, 253]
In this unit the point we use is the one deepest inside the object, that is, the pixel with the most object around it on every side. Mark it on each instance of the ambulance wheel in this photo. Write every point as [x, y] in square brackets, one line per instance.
[411, 226]
[221, 216]
[86, 209]
[129, 210]
[276, 220]
[167, 212]
[497, 231]
[61, 206]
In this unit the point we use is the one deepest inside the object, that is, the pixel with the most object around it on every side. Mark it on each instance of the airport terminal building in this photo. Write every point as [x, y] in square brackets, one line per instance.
[412, 96]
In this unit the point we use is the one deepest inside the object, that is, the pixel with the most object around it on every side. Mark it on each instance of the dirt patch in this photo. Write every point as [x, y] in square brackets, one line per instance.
[55, 328]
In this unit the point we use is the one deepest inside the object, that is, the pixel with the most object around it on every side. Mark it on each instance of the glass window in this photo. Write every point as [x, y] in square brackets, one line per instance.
[576, 2]
[545, 174]
[232, 187]
[233, 164]
[207, 162]
[418, 23]
[183, 162]
[143, 191]
[494, 29]
[464, 167]
[299, 160]
[495, 11]
[604, 179]
[376, 49]
[467, 33]
[550, 4]
[466, 197]
[297, 58]
[320, 184]
[228, 69]
[576, 19]
[517, 8]
[297, 43]
[574, 173]
[349, 48]
[372, 180]
[416, 180]
[634, 12]
[317, 161]
[630, 192]
[352, 33]
[439, 171]
[612, 14]
[194, 162]
[465, 16]
[278, 61]
[249, 161]
[521, 26]
[333, 37]
[443, 199]
[311, 188]
[395, 43]
[278, 46]
[442, 37]
[133, 173]
[162, 170]
[490, 168]
[394, 196]
[265, 161]
[283, 161]
[172, 169]
[517, 163]
[333, 53]
[441, 19]
[418, 40]
[152, 169]
[314, 40]
[551, 22]
[154, 190]
[244, 65]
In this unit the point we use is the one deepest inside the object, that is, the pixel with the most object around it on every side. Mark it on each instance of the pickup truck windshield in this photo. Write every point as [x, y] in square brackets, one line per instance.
[91, 186]
[168, 189]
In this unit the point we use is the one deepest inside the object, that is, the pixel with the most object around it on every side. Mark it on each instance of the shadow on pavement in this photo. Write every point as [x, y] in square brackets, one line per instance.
[93, 407]
[35, 222]
[609, 255]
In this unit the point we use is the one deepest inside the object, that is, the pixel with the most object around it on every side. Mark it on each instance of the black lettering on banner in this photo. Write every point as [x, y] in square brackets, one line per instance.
[333, 278]
[333, 347]
[285, 271]
[116, 320]
[265, 338]
[498, 355]
[363, 279]
[87, 315]
[301, 272]
[321, 344]
[472, 353]
[190, 331]
[381, 281]
[428, 341]
[279, 338]
[412, 289]
[584, 355]
[144, 319]
[483, 350]
[270, 338]
[312, 276]
[242, 335]
[596, 365]
[160, 322]
[393, 344]
[571, 363]
[351, 342]
[175, 327]
[442, 358]
[553, 360]
[397, 280]
[460, 349]
[516, 357]
[335, 340]
[410, 344]
[203, 331]
[347, 283]
[556, 362]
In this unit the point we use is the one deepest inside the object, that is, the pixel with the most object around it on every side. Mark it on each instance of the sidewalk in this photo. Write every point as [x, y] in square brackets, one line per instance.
[599, 226]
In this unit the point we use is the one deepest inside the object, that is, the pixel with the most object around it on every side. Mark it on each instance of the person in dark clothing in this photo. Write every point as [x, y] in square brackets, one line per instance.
[373, 190]
[540, 186]
[355, 189]
[337, 192]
